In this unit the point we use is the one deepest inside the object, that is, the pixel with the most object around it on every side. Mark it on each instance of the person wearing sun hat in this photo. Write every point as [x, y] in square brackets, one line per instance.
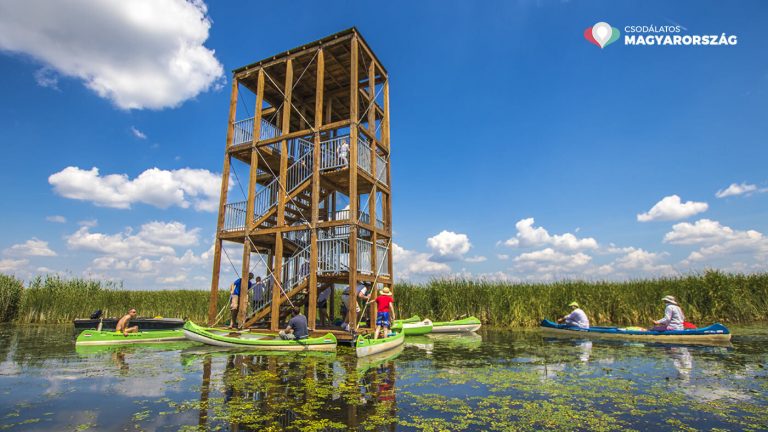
[673, 316]
[384, 302]
[577, 317]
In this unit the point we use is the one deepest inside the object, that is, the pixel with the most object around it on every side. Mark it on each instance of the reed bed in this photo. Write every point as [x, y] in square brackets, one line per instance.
[11, 290]
[705, 298]
[57, 300]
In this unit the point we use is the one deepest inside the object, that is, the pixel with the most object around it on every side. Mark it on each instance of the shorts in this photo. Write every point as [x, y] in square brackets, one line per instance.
[382, 319]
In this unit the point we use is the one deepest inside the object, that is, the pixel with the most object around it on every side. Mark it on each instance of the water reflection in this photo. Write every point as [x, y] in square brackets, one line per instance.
[507, 380]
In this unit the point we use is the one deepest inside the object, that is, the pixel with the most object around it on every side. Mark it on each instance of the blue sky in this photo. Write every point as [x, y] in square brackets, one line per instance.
[519, 150]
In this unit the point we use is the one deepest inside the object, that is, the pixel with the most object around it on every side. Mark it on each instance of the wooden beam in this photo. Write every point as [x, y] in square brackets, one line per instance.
[353, 198]
[319, 84]
[246, 71]
[213, 301]
[388, 202]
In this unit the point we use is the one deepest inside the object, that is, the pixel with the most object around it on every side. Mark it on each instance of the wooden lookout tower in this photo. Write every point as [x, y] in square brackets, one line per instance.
[316, 204]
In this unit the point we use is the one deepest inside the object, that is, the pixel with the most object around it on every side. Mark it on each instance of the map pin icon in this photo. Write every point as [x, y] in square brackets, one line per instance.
[602, 32]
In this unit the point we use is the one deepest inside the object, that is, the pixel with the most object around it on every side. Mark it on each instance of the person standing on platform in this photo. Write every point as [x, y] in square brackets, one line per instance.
[234, 299]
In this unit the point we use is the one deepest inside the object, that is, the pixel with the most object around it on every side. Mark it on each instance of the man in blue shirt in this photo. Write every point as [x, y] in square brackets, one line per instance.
[234, 299]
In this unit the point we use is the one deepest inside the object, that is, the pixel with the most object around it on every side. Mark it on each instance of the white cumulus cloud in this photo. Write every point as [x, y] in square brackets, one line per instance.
[718, 242]
[449, 246]
[736, 189]
[408, 264]
[184, 187]
[530, 236]
[138, 53]
[32, 247]
[672, 208]
[153, 239]
[11, 265]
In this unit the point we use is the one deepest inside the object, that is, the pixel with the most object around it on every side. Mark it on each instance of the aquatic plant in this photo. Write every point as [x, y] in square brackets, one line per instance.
[53, 299]
[11, 290]
[705, 298]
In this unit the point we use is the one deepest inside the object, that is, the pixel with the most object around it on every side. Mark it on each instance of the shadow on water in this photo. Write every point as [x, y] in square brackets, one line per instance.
[495, 380]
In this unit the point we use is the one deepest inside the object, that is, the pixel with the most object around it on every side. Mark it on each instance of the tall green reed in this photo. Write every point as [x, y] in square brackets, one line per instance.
[11, 290]
[53, 299]
[708, 297]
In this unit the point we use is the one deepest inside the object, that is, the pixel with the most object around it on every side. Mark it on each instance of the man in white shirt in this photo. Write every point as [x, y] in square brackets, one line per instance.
[577, 317]
[673, 316]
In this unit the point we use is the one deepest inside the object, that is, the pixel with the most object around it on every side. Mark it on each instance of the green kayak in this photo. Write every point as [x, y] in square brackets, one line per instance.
[412, 319]
[468, 324]
[366, 346]
[95, 337]
[411, 328]
[253, 340]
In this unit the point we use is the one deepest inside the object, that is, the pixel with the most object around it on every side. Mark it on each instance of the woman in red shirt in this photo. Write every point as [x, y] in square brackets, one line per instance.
[384, 301]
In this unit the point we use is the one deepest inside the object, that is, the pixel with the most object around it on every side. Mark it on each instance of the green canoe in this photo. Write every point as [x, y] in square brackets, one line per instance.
[252, 340]
[411, 328]
[468, 324]
[95, 337]
[366, 346]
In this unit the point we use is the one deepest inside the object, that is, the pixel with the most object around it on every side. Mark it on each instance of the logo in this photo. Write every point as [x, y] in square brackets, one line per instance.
[602, 34]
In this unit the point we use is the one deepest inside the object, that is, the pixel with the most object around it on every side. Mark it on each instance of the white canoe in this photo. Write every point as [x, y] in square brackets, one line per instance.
[369, 346]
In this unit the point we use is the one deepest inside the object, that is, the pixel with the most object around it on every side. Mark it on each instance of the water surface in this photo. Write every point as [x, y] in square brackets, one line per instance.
[502, 380]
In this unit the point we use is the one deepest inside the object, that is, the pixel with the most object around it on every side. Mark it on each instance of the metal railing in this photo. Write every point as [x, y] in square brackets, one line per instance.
[364, 248]
[244, 131]
[234, 216]
[383, 259]
[342, 215]
[381, 169]
[364, 154]
[299, 171]
[268, 130]
[334, 153]
[265, 199]
[296, 269]
[266, 295]
[301, 238]
[332, 255]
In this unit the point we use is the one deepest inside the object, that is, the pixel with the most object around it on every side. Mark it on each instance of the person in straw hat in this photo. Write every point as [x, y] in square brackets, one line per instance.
[384, 302]
[577, 317]
[673, 316]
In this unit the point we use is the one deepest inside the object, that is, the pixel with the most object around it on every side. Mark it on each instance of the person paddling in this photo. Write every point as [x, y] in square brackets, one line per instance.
[673, 316]
[122, 324]
[577, 317]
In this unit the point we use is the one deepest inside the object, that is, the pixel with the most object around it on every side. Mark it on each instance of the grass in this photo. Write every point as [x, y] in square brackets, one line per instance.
[705, 298]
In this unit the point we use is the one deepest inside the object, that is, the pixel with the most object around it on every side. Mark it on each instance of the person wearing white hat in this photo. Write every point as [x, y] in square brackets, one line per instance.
[673, 316]
[577, 317]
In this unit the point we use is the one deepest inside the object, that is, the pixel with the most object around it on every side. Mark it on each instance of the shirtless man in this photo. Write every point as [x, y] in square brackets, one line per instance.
[122, 325]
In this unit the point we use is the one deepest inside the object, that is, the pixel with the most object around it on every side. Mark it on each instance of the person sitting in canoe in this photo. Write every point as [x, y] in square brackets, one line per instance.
[297, 326]
[577, 317]
[383, 301]
[673, 316]
[122, 325]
